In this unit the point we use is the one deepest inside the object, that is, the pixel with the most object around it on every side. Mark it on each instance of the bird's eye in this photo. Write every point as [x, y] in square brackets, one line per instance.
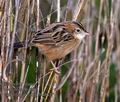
[78, 30]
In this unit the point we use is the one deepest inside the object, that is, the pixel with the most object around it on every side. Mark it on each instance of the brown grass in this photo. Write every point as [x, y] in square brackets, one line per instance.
[89, 74]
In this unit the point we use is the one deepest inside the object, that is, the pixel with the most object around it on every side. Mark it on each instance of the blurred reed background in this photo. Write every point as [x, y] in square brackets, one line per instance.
[89, 74]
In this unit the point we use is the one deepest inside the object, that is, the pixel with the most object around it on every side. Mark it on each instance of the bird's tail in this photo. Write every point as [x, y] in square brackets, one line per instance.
[19, 44]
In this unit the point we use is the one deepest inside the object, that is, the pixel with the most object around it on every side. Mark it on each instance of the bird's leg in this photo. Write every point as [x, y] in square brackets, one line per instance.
[56, 64]
[55, 68]
[56, 78]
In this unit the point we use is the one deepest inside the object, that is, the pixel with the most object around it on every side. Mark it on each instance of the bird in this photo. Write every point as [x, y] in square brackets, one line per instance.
[58, 39]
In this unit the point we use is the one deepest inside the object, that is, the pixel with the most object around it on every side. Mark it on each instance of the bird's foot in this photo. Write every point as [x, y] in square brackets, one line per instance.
[56, 70]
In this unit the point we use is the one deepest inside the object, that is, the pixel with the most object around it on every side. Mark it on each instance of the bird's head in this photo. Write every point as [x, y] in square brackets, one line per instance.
[77, 30]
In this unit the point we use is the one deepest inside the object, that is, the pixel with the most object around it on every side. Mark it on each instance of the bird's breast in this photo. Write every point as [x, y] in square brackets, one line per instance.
[61, 51]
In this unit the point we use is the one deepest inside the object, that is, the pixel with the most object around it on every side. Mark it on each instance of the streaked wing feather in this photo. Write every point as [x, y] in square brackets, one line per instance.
[54, 35]
[43, 38]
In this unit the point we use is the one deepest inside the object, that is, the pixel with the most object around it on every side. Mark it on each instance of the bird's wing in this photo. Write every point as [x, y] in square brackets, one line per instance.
[42, 38]
[54, 35]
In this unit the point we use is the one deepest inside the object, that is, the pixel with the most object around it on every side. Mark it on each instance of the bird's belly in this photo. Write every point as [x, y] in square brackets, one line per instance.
[61, 51]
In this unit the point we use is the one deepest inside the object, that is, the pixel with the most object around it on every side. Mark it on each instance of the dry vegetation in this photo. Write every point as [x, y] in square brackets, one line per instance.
[89, 74]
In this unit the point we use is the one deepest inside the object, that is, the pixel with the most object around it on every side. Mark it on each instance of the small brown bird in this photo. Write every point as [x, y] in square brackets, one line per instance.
[59, 39]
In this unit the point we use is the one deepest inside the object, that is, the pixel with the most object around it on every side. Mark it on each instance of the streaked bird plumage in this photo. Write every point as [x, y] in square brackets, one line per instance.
[58, 39]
